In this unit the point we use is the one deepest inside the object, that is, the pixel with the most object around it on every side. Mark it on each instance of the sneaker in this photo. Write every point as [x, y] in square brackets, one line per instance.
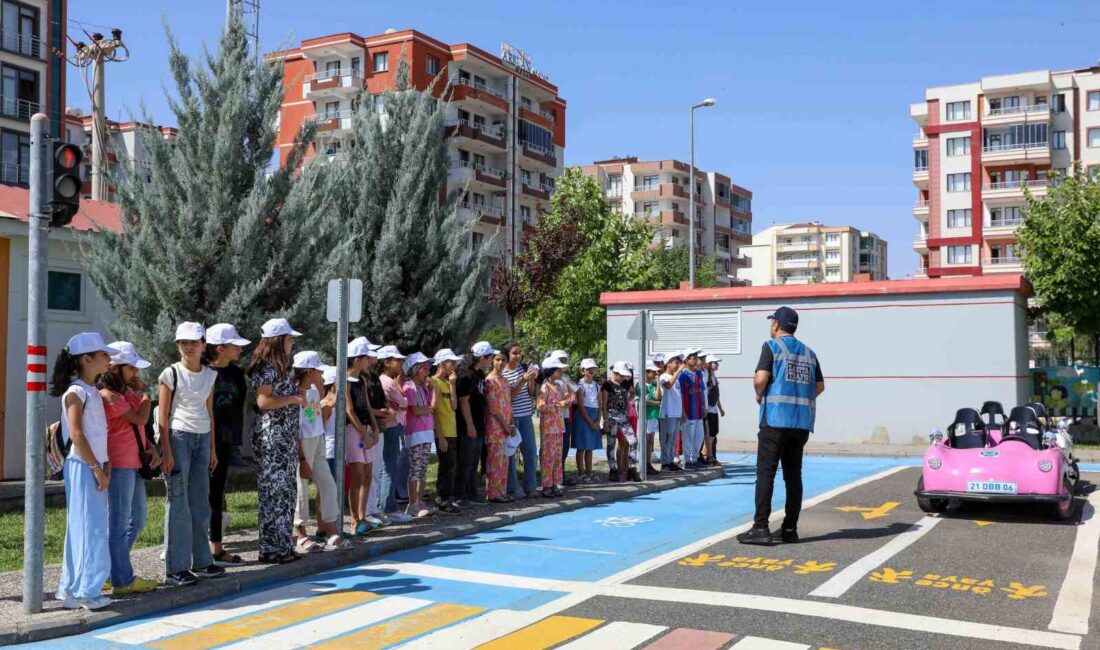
[449, 509]
[786, 535]
[461, 504]
[180, 579]
[478, 502]
[107, 586]
[613, 476]
[138, 586]
[759, 536]
[99, 602]
[212, 571]
[558, 492]
[674, 467]
[572, 482]
[420, 513]
[378, 520]
[650, 469]
[399, 517]
[362, 528]
[519, 494]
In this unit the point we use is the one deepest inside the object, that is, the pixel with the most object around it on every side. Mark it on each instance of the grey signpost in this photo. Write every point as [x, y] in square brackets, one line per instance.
[344, 306]
[638, 333]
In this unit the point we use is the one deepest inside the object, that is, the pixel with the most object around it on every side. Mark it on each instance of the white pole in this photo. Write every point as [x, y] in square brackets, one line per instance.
[99, 126]
[341, 392]
[643, 446]
[691, 208]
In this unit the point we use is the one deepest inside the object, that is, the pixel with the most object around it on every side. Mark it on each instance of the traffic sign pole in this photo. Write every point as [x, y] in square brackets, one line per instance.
[643, 446]
[341, 390]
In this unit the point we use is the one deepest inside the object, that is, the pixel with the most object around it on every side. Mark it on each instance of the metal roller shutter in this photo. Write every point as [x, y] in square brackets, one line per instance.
[716, 331]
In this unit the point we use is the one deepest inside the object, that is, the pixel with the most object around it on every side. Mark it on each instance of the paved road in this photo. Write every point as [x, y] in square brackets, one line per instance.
[664, 572]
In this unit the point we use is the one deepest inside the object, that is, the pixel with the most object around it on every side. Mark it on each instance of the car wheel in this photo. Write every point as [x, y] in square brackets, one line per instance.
[1065, 510]
[928, 504]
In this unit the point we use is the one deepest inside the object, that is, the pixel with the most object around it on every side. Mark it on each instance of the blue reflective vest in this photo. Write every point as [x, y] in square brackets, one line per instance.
[788, 402]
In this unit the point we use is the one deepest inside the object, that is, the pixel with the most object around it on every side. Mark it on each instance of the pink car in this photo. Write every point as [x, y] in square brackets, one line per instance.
[1015, 460]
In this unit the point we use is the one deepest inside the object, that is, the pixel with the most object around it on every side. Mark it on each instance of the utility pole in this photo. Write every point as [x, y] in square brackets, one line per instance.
[34, 495]
[248, 13]
[95, 56]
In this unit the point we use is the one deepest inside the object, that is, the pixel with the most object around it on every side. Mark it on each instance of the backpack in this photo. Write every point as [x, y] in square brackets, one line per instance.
[57, 448]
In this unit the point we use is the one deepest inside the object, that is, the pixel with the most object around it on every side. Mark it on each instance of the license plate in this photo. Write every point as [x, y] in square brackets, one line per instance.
[991, 487]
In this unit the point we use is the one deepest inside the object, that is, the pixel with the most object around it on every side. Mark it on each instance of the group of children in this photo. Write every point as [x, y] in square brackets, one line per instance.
[477, 410]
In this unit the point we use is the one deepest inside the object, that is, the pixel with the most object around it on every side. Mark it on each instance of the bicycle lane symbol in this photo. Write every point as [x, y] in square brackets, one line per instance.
[623, 522]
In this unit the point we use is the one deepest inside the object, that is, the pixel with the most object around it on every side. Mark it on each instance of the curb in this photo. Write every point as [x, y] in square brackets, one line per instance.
[29, 631]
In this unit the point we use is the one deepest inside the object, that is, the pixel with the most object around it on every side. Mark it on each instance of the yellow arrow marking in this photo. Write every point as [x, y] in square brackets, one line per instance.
[871, 513]
[982, 523]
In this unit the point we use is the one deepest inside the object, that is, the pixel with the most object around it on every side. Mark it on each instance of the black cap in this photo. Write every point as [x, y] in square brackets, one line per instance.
[786, 317]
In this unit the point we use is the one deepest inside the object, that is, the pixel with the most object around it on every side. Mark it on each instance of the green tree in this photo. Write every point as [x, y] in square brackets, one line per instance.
[423, 287]
[1060, 244]
[669, 267]
[208, 234]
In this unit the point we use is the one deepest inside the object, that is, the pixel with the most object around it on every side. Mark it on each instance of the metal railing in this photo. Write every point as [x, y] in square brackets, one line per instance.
[548, 115]
[921, 135]
[1023, 108]
[488, 171]
[25, 44]
[537, 148]
[18, 108]
[1005, 223]
[613, 191]
[488, 129]
[1014, 146]
[918, 169]
[541, 187]
[481, 208]
[1004, 261]
[459, 81]
[920, 204]
[1012, 185]
[339, 72]
[332, 115]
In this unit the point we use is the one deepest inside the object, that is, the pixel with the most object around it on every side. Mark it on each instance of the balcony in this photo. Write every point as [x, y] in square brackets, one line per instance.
[740, 261]
[536, 117]
[544, 158]
[920, 243]
[537, 190]
[614, 193]
[1012, 192]
[333, 123]
[486, 213]
[798, 247]
[463, 90]
[1005, 264]
[664, 217]
[920, 176]
[920, 209]
[20, 109]
[920, 140]
[1016, 114]
[28, 45]
[662, 191]
[1037, 153]
[476, 135]
[1000, 228]
[336, 83]
[800, 263]
[489, 178]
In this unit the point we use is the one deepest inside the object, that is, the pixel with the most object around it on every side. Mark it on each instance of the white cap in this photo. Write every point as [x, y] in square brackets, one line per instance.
[552, 363]
[446, 354]
[558, 354]
[675, 355]
[86, 342]
[361, 347]
[224, 334]
[483, 349]
[588, 363]
[652, 367]
[330, 375]
[389, 352]
[512, 442]
[190, 332]
[127, 355]
[277, 327]
[690, 352]
[659, 358]
[308, 360]
[414, 359]
[622, 368]
[712, 358]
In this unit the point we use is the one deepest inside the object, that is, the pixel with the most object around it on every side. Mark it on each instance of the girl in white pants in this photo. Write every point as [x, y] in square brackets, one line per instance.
[312, 464]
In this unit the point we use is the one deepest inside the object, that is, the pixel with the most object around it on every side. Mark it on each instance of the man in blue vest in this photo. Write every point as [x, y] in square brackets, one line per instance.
[788, 381]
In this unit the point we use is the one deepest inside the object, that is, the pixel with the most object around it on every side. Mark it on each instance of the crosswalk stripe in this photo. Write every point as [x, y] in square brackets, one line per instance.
[326, 627]
[265, 621]
[615, 636]
[688, 639]
[490, 625]
[758, 643]
[544, 634]
[402, 628]
[209, 615]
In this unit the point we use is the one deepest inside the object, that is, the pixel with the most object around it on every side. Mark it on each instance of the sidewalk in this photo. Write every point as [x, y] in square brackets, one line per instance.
[56, 622]
[740, 446]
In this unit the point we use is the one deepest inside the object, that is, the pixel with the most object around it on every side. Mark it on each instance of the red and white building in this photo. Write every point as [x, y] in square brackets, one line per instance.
[505, 120]
[977, 149]
[125, 142]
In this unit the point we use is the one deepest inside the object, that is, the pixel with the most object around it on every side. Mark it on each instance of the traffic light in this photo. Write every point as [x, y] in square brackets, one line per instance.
[67, 183]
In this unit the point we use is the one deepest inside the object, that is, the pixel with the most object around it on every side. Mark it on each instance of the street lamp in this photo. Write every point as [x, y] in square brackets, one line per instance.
[691, 196]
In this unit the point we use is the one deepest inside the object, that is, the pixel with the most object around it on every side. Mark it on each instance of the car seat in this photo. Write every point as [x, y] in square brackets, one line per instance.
[996, 422]
[1025, 426]
[967, 431]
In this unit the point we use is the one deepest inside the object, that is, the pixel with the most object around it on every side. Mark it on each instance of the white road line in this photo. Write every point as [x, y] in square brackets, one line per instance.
[332, 625]
[758, 643]
[560, 548]
[1071, 611]
[580, 591]
[676, 554]
[213, 613]
[844, 580]
[615, 636]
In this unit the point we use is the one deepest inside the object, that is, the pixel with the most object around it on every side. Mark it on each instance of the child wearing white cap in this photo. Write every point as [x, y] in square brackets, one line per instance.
[553, 399]
[419, 430]
[185, 417]
[362, 442]
[312, 466]
[393, 432]
[86, 559]
[586, 431]
[445, 407]
[614, 405]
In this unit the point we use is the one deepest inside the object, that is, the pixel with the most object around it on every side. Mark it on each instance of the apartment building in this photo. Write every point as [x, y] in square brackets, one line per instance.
[506, 121]
[125, 142]
[32, 78]
[658, 190]
[979, 146]
[808, 253]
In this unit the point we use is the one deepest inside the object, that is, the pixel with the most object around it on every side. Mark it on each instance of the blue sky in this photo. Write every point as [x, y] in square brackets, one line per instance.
[813, 97]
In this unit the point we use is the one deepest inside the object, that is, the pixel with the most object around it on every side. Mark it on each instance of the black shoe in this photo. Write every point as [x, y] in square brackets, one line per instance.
[180, 579]
[675, 468]
[570, 481]
[650, 469]
[212, 571]
[613, 476]
[786, 535]
[633, 475]
[760, 536]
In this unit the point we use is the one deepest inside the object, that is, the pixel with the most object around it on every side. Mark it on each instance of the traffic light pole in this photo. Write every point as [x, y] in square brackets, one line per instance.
[34, 526]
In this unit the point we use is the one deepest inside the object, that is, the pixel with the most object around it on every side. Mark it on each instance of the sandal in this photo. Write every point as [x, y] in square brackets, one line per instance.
[337, 543]
[226, 558]
[307, 545]
[362, 528]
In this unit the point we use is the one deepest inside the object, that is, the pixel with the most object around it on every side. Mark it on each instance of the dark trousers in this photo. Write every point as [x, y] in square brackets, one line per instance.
[775, 446]
[567, 438]
[224, 450]
[469, 454]
[448, 462]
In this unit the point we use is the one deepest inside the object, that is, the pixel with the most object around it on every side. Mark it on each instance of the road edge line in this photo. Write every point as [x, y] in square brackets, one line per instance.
[846, 578]
[1074, 604]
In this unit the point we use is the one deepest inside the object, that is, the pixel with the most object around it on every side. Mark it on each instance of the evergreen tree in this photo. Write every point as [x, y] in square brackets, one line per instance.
[422, 287]
[207, 234]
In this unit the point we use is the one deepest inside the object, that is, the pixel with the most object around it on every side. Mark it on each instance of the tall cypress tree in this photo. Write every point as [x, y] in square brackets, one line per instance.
[208, 233]
[423, 288]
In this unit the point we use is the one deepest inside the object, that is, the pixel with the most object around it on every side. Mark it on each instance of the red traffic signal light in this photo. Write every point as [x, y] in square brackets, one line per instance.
[67, 183]
[67, 157]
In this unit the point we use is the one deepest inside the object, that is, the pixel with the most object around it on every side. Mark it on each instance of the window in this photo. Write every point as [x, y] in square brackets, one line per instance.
[356, 68]
[525, 214]
[431, 64]
[1094, 138]
[742, 203]
[650, 207]
[332, 68]
[832, 239]
[1093, 172]
[649, 182]
[1058, 141]
[18, 92]
[20, 29]
[722, 190]
[536, 135]
[376, 103]
[832, 256]
[63, 291]
[958, 146]
[381, 61]
[958, 218]
[525, 177]
[832, 273]
[920, 160]
[615, 183]
[15, 155]
[958, 111]
[476, 240]
[958, 182]
[1059, 103]
[1094, 100]
[958, 254]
